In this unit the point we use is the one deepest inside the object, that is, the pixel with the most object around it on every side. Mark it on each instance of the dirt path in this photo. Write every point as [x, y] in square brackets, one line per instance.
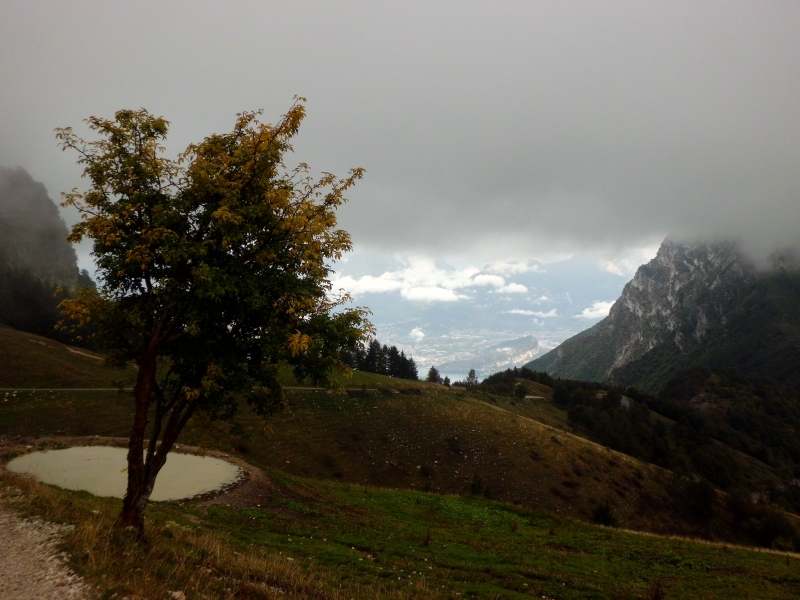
[31, 566]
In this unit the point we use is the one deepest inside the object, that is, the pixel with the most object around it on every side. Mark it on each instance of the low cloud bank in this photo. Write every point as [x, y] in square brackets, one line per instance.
[421, 279]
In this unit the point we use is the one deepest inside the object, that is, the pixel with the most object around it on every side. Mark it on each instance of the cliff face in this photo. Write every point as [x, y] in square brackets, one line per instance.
[692, 305]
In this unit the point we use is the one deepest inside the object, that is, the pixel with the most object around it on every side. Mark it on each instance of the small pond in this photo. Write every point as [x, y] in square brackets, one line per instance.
[102, 471]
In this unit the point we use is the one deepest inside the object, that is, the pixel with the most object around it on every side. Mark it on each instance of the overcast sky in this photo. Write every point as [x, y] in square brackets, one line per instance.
[490, 131]
[487, 127]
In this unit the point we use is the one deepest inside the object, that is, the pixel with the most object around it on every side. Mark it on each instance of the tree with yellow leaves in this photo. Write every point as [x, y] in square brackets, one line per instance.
[213, 268]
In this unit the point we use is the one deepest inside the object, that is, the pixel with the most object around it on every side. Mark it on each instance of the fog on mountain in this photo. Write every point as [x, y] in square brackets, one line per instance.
[33, 237]
[37, 264]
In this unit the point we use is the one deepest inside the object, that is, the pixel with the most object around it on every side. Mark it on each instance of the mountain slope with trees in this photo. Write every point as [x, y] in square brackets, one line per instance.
[37, 264]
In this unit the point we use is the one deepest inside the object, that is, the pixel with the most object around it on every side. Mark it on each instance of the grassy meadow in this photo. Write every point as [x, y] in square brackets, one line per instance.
[379, 488]
[315, 538]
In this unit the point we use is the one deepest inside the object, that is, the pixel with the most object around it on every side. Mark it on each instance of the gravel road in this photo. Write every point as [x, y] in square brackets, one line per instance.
[31, 565]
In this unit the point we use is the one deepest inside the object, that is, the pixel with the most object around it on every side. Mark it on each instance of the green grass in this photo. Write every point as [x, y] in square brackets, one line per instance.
[480, 548]
[314, 538]
[28, 360]
[373, 380]
[542, 410]
[73, 413]
[440, 441]
[330, 527]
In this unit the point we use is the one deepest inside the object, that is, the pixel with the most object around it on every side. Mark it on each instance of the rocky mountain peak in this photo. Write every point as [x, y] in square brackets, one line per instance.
[684, 306]
[679, 295]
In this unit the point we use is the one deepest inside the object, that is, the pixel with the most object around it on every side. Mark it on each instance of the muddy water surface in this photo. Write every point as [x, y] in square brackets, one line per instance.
[102, 471]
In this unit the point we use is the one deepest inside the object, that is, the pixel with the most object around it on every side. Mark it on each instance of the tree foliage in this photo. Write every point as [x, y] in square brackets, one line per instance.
[375, 357]
[213, 268]
[472, 379]
[433, 376]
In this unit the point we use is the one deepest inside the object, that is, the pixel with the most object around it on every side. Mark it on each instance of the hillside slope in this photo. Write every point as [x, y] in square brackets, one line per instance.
[33, 361]
[389, 433]
[700, 305]
[449, 443]
[379, 431]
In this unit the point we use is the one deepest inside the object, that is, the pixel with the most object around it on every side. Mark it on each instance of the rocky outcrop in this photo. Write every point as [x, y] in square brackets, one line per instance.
[692, 305]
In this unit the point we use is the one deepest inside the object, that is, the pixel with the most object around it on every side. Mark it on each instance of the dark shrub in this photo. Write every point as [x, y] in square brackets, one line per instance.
[603, 514]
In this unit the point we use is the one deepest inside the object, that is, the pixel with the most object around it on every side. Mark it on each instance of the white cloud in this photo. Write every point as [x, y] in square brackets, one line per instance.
[513, 267]
[430, 293]
[421, 279]
[513, 288]
[614, 268]
[485, 279]
[534, 313]
[368, 284]
[626, 264]
[416, 334]
[597, 310]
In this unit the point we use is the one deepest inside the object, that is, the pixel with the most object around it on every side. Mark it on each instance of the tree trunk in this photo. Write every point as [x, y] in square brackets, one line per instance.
[133, 506]
[140, 484]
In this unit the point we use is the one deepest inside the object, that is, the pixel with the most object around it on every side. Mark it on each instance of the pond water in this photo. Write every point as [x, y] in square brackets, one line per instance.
[102, 471]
